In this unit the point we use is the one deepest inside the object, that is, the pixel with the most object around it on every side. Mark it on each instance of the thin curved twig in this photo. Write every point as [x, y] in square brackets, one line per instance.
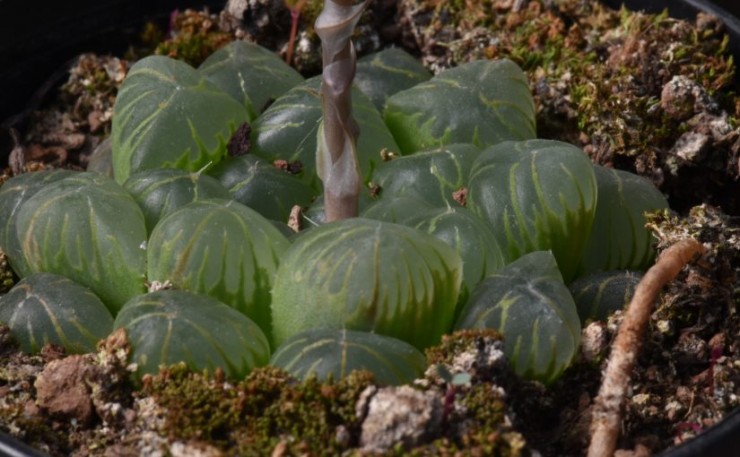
[605, 422]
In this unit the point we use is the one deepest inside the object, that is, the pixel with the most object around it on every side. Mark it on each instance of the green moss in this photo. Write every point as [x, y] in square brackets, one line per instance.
[456, 343]
[195, 37]
[255, 415]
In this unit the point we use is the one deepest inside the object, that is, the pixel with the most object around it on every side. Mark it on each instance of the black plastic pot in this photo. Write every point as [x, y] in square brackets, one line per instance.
[37, 43]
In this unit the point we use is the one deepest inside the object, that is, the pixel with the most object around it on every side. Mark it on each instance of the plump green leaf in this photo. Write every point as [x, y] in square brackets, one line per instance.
[536, 195]
[482, 102]
[162, 190]
[222, 249]
[13, 194]
[261, 186]
[89, 229]
[288, 130]
[173, 326]
[381, 74]
[599, 295]
[471, 238]
[45, 308]
[335, 353]
[530, 305]
[251, 74]
[367, 275]
[619, 239]
[396, 209]
[432, 175]
[167, 115]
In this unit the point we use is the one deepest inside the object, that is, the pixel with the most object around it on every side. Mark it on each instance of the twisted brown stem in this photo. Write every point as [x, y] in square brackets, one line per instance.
[336, 155]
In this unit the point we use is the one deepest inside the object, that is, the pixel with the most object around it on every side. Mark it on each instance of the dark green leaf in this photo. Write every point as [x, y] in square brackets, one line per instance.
[529, 304]
[482, 102]
[382, 74]
[335, 353]
[45, 308]
[536, 195]
[167, 115]
[173, 326]
[599, 295]
[367, 275]
[251, 74]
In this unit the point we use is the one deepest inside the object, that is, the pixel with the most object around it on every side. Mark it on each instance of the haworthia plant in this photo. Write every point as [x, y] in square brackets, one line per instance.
[619, 239]
[432, 175]
[382, 74]
[45, 308]
[536, 195]
[599, 295]
[288, 130]
[89, 229]
[162, 190]
[471, 238]
[263, 187]
[251, 74]
[173, 326]
[367, 275]
[530, 305]
[13, 194]
[335, 353]
[396, 209]
[222, 249]
[167, 114]
[482, 102]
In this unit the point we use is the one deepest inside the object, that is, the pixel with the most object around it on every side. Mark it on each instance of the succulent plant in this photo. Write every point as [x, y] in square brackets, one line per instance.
[13, 194]
[168, 115]
[619, 239]
[536, 195]
[88, 228]
[530, 305]
[334, 353]
[384, 73]
[496, 100]
[599, 295]
[46, 308]
[162, 190]
[222, 249]
[263, 187]
[251, 74]
[366, 275]
[173, 326]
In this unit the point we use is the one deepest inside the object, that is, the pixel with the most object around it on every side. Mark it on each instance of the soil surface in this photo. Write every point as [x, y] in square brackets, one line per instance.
[644, 93]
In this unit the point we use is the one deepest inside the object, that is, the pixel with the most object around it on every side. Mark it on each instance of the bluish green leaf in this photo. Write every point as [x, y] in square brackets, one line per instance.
[173, 326]
[482, 102]
[530, 305]
[536, 195]
[45, 308]
[167, 115]
[251, 74]
[367, 275]
[335, 353]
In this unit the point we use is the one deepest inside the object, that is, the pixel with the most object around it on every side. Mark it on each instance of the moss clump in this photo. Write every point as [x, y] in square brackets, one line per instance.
[265, 410]
[195, 36]
[458, 342]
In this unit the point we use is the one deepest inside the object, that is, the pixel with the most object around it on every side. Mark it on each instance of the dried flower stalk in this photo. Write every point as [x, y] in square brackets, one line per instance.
[607, 413]
[336, 155]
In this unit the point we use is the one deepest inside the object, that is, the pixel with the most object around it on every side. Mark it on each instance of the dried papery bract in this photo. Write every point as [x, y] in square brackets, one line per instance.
[336, 155]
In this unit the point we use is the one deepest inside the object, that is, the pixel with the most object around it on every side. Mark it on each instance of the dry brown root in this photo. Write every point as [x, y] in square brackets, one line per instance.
[607, 410]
